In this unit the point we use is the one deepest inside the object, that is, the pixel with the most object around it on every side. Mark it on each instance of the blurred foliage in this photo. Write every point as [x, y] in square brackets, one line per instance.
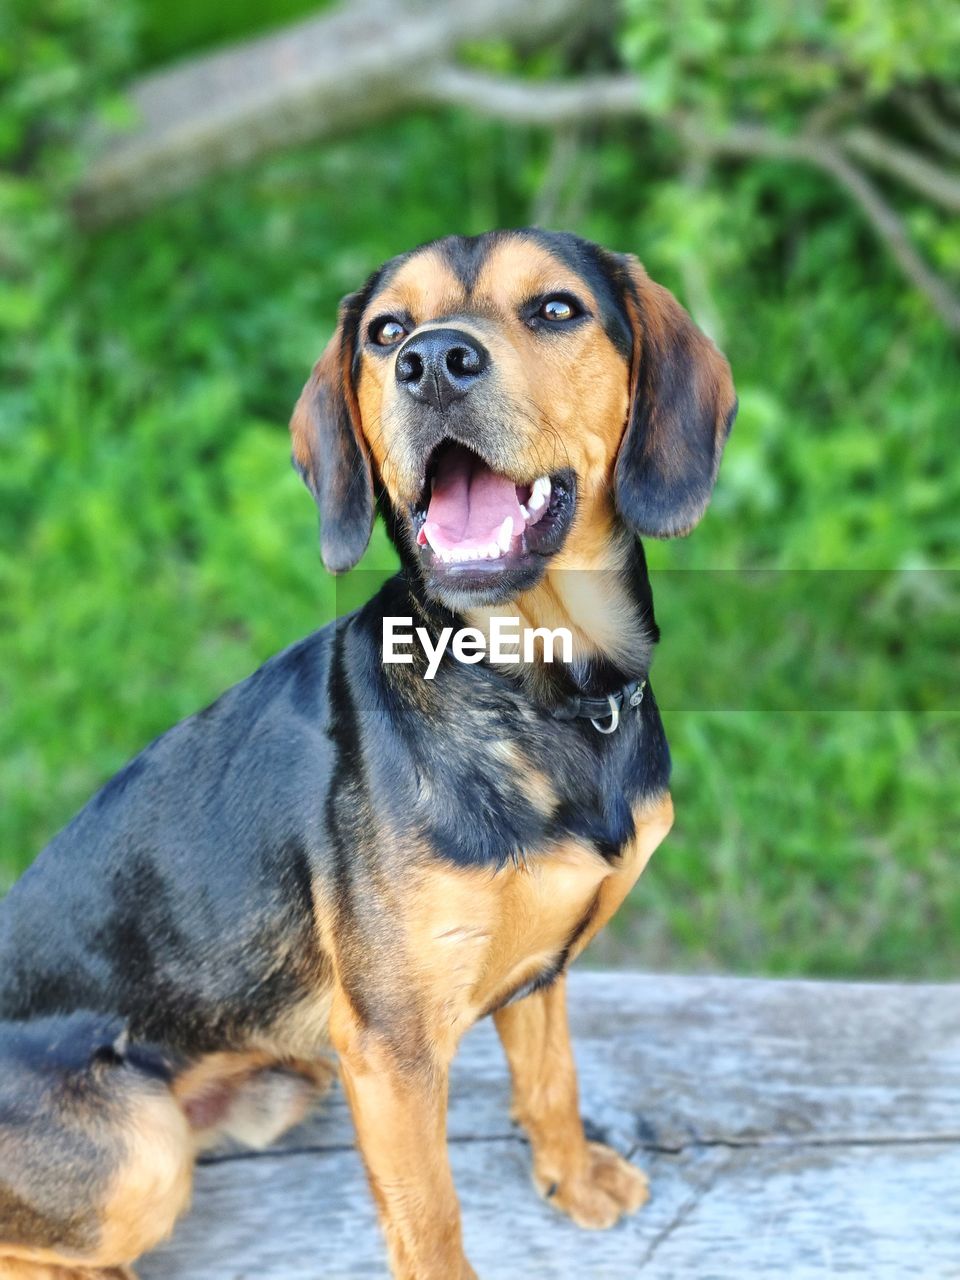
[156, 546]
[741, 56]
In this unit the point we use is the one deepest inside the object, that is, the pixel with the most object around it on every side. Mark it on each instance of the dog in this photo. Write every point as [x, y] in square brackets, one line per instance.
[340, 854]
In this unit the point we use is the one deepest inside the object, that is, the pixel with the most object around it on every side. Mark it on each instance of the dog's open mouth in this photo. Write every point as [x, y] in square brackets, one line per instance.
[470, 515]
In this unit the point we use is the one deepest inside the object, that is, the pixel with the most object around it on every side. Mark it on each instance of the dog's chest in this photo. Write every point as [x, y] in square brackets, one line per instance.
[488, 798]
[480, 935]
[484, 936]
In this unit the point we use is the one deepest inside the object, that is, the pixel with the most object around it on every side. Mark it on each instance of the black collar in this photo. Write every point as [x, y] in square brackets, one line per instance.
[605, 710]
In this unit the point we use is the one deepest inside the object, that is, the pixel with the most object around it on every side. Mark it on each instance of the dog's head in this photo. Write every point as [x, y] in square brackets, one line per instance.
[518, 398]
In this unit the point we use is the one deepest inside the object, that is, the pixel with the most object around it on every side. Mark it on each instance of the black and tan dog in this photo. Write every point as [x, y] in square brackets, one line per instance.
[342, 853]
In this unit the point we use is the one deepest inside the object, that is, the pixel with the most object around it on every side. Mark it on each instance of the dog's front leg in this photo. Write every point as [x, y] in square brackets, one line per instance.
[398, 1098]
[586, 1180]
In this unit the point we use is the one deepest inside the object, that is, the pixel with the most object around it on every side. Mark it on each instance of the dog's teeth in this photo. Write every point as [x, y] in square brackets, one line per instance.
[446, 557]
[524, 512]
[493, 551]
[505, 534]
[540, 492]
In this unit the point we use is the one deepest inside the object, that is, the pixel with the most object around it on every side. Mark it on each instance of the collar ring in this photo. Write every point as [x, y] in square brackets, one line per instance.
[614, 717]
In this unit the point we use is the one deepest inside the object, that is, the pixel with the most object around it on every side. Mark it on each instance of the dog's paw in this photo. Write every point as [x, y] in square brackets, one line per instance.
[602, 1189]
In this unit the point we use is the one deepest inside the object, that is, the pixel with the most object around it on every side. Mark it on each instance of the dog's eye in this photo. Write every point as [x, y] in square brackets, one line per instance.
[558, 309]
[387, 331]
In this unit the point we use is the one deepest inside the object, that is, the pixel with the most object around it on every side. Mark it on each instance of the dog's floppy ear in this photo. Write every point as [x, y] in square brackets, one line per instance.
[682, 406]
[329, 450]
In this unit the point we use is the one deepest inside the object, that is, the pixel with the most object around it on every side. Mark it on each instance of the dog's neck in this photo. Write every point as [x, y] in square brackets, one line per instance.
[605, 602]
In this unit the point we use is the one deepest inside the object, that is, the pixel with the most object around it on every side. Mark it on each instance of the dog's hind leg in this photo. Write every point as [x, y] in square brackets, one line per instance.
[96, 1153]
[251, 1098]
[98, 1139]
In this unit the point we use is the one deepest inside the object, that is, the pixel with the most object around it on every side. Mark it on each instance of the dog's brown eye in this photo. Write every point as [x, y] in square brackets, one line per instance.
[557, 309]
[387, 332]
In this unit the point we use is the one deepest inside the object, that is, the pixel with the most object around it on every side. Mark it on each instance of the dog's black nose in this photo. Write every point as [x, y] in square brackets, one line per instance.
[440, 366]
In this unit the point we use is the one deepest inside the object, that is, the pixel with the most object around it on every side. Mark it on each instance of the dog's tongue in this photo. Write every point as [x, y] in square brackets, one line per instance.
[469, 505]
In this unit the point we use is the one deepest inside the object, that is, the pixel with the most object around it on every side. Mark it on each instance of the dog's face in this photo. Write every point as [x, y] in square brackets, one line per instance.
[519, 399]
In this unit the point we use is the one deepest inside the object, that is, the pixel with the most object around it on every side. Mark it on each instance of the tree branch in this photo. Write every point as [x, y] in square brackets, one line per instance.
[533, 102]
[620, 97]
[822, 154]
[320, 77]
[828, 114]
[912, 169]
[932, 126]
[566, 179]
[891, 230]
[693, 265]
[327, 74]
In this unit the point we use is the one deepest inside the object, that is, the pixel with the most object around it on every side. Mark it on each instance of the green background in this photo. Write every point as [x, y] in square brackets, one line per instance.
[155, 545]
